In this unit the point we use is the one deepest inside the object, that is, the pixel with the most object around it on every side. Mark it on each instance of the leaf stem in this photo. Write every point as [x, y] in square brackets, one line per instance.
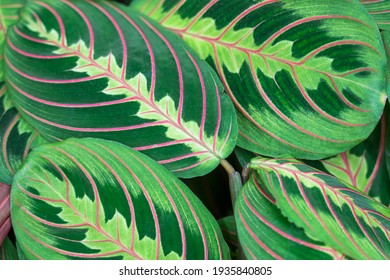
[235, 182]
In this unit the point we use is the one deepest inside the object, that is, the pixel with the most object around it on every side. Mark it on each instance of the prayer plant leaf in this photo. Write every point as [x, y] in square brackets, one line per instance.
[380, 11]
[17, 138]
[266, 234]
[89, 69]
[302, 74]
[8, 250]
[229, 231]
[364, 166]
[328, 209]
[5, 219]
[97, 199]
[9, 14]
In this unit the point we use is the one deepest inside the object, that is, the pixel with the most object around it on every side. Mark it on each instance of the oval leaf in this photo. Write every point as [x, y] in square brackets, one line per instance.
[97, 199]
[327, 209]
[17, 138]
[266, 234]
[134, 83]
[380, 12]
[302, 74]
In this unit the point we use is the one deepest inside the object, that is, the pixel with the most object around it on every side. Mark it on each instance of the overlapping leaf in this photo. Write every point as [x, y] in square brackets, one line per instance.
[9, 14]
[364, 166]
[327, 209]
[97, 199]
[302, 74]
[266, 234]
[88, 69]
[8, 250]
[17, 138]
[5, 219]
[229, 231]
[380, 11]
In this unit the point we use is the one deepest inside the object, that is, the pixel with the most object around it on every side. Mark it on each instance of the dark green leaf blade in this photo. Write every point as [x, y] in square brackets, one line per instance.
[8, 250]
[266, 234]
[134, 83]
[307, 78]
[17, 138]
[327, 209]
[97, 199]
[9, 14]
[5, 219]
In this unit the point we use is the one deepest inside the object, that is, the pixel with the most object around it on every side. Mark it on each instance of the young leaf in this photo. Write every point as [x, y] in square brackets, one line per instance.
[17, 138]
[9, 14]
[97, 199]
[89, 69]
[302, 74]
[266, 234]
[364, 166]
[5, 219]
[380, 11]
[328, 209]
[8, 250]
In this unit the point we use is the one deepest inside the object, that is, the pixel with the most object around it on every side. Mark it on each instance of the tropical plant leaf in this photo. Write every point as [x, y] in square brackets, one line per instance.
[386, 42]
[380, 11]
[327, 209]
[97, 199]
[17, 138]
[229, 231]
[364, 166]
[266, 234]
[134, 83]
[8, 250]
[302, 75]
[9, 14]
[5, 219]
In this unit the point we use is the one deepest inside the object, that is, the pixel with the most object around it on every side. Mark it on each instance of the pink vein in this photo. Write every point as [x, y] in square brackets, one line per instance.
[256, 239]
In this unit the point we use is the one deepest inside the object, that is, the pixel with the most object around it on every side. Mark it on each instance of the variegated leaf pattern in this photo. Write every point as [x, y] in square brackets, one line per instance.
[328, 209]
[5, 219]
[364, 166]
[380, 11]
[97, 199]
[302, 74]
[386, 42]
[94, 70]
[9, 14]
[266, 234]
[8, 250]
[17, 137]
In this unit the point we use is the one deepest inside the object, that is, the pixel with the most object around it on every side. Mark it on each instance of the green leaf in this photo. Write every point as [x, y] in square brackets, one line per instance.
[17, 137]
[9, 14]
[89, 69]
[97, 199]
[380, 11]
[328, 209]
[364, 166]
[307, 78]
[386, 42]
[229, 231]
[8, 250]
[266, 234]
